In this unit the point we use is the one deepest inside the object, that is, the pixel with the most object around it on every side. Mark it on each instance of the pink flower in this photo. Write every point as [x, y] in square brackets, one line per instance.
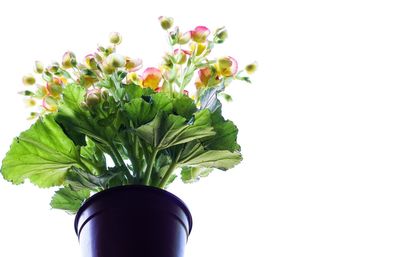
[200, 34]
[151, 77]
[227, 66]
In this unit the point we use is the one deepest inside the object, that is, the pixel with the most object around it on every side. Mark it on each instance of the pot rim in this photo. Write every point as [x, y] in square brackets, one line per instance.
[94, 197]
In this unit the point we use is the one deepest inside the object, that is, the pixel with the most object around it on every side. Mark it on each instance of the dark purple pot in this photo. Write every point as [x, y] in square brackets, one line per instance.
[133, 221]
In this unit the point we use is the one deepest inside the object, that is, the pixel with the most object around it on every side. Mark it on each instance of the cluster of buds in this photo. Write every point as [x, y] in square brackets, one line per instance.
[190, 56]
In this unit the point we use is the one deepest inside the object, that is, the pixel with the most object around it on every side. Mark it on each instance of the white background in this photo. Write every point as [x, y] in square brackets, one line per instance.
[319, 126]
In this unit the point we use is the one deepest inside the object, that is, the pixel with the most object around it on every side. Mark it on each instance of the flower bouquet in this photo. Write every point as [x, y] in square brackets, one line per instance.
[103, 122]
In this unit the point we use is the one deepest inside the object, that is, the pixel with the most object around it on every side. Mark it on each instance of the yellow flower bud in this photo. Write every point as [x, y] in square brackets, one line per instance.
[30, 102]
[116, 60]
[68, 60]
[184, 38]
[38, 67]
[166, 22]
[28, 80]
[115, 38]
[251, 68]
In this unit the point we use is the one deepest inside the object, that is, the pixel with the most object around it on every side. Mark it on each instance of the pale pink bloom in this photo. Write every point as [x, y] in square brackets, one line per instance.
[151, 77]
[200, 34]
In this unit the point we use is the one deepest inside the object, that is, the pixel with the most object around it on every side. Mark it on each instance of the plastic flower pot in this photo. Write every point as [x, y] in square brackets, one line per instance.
[133, 221]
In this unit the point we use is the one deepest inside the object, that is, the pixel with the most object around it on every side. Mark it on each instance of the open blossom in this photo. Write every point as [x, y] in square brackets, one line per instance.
[133, 64]
[204, 76]
[133, 77]
[49, 103]
[54, 88]
[151, 77]
[226, 66]
[200, 34]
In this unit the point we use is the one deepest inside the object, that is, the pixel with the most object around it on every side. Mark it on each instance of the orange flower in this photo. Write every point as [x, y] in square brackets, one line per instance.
[151, 77]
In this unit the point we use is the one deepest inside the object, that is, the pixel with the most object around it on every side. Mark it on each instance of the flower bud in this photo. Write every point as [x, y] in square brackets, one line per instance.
[200, 34]
[107, 68]
[220, 35]
[184, 38]
[28, 80]
[251, 68]
[68, 60]
[93, 97]
[151, 77]
[115, 38]
[90, 62]
[166, 22]
[54, 67]
[226, 66]
[116, 60]
[33, 115]
[133, 64]
[38, 67]
[30, 102]
[180, 56]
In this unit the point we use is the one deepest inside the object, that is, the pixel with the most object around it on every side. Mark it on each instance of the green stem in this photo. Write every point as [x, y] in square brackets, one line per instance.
[149, 167]
[167, 175]
[121, 163]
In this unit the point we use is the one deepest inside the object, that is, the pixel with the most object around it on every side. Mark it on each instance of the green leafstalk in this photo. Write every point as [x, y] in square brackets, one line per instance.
[168, 174]
[150, 164]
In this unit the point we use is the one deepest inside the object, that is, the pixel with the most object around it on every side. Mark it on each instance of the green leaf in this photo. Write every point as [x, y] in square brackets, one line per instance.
[133, 91]
[193, 174]
[184, 106]
[168, 130]
[69, 200]
[79, 179]
[43, 154]
[141, 112]
[194, 154]
[78, 122]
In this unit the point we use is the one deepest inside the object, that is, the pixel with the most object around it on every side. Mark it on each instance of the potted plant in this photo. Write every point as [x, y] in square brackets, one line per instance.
[112, 138]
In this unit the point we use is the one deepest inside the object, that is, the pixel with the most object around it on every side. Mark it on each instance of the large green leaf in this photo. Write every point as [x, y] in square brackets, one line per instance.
[168, 130]
[43, 154]
[184, 106]
[141, 112]
[225, 136]
[194, 154]
[78, 122]
[69, 200]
